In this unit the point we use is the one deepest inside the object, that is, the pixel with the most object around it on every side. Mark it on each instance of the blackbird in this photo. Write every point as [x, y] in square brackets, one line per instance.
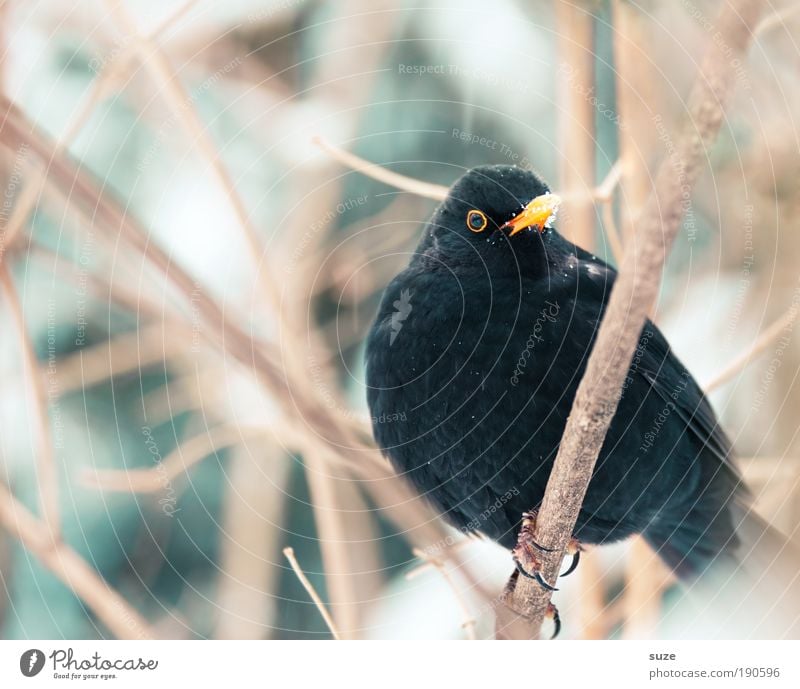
[476, 354]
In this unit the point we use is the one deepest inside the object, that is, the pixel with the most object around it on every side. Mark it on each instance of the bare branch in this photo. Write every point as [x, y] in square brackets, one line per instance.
[175, 464]
[289, 553]
[469, 621]
[777, 18]
[605, 190]
[577, 131]
[612, 233]
[633, 295]
[46, 470]
[111, 608]
[758, 347]
[158, 64]
[393, 179]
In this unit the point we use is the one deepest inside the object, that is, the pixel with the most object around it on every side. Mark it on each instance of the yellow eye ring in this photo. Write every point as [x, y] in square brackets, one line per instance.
[476, 221]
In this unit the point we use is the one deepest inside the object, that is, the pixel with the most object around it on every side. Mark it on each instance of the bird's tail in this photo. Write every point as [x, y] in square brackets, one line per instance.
[742, 576]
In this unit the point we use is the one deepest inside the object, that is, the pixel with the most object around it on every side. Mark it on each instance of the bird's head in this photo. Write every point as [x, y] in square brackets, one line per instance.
[493, 207]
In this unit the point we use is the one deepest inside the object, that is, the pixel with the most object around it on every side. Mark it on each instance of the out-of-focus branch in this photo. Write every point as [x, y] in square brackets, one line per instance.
[605, 190]
[575, 45]
[111, 608]
[469, 621]
[330, 432]
[250, 542]
[393, 179]
[612, 233]
[157, 63]
[46, 469]
[125, 353]
[637, 98]
[631, 298]
[777, 19]
[176, 463]
[604, 195]
[646, 577]
[758, 347]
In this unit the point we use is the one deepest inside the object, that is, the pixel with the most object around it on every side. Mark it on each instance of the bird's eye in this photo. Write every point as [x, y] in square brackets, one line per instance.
[476, 221]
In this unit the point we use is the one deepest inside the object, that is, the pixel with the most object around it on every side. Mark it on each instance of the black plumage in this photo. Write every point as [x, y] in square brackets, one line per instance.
[478, 348]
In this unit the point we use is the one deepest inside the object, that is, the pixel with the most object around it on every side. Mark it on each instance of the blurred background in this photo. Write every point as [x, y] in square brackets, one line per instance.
[190, 256]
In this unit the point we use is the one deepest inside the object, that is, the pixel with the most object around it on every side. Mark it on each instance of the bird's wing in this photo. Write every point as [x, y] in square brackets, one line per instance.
[659, 366]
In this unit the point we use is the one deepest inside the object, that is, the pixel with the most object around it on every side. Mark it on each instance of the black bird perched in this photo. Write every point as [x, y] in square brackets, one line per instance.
[479, 346]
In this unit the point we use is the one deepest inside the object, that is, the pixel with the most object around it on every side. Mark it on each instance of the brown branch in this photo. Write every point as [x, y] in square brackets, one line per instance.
[646, 578]
[46, 469]
[777, 18]
[469, 621]
[605, 190]
[633, 294]
[612, 233]
[758, 347]
[175, 464]
[393, 179]
[111, 608]
[157, 63]
[604, 195]
[250, 543]
[637, 97]
[575, 30]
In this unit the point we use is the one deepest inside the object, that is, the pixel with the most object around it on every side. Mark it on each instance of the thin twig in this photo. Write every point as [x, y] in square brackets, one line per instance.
[469, 621]
[758, 347]
[605, 190]
[604, 195]
[393, 179]
[634, 292]
[289, 553]
[612, 234]
[175, 464]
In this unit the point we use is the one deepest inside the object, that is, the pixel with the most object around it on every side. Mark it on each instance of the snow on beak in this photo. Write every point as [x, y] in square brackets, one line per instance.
[539, 213]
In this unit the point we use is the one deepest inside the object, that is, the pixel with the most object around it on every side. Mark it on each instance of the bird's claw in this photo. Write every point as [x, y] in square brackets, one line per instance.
[574, 549]
[525, 551]
[536, 576]
[552, 612]
[528, 527]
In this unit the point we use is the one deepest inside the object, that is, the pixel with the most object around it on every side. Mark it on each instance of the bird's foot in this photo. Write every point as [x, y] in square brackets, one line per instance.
[574, 548]
[525, 551]
[552, 614]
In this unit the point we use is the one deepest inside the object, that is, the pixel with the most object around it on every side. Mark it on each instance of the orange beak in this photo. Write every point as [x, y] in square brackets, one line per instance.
[539, 213]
